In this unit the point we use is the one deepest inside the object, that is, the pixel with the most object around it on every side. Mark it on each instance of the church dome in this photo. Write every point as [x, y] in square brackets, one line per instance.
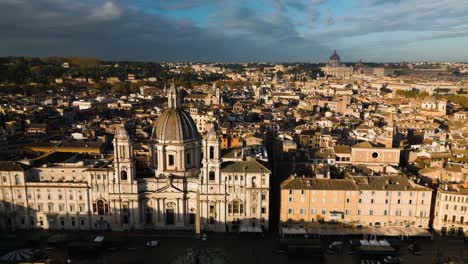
[174, 124]
[335, 56]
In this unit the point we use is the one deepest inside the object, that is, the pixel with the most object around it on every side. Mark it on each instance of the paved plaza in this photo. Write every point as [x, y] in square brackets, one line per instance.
[226, 248]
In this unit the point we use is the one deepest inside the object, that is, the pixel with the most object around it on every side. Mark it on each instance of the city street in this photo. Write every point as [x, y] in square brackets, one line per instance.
[229, 248]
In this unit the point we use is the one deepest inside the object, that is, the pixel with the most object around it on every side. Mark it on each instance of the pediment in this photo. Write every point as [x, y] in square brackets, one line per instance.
[169, 189]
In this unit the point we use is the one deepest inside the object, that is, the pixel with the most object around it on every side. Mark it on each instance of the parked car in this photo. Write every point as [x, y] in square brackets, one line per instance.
[152, 243]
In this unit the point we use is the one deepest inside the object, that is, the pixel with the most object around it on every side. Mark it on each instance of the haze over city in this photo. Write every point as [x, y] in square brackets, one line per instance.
[236, 31]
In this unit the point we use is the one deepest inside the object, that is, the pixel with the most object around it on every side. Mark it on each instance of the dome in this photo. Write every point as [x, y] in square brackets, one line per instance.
[334, 56]
[174, 124]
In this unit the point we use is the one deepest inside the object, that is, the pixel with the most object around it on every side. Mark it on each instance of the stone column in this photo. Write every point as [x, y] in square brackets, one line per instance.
[178, 210]
[197, 215]
[158, 216]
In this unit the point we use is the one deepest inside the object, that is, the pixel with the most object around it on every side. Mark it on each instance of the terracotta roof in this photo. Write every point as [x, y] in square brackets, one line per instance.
[391, 183]
[248, 166]
[295, 183]
[342, 149]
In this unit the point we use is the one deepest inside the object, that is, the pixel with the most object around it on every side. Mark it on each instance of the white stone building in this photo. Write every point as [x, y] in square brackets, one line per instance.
[189, 187]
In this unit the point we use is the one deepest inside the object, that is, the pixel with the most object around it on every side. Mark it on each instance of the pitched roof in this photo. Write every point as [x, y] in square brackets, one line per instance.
[295, 183]
[391, 183]
[12, 166]
[367, 144]
[342, 149]
[248, 166]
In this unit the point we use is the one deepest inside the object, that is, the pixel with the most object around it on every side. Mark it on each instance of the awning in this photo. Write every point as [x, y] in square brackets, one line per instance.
[293, 231]
[250, 229]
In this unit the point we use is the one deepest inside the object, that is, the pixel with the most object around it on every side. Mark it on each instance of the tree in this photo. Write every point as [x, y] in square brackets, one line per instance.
[103, 87]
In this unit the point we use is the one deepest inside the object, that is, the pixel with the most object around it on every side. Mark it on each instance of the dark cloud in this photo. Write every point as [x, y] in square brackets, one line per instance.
[115, 31]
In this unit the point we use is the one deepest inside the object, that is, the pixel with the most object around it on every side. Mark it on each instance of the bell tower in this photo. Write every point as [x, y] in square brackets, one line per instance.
[123, 157]
[211, 159]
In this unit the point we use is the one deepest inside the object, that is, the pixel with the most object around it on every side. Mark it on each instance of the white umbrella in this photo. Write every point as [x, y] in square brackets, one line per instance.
[17, 255]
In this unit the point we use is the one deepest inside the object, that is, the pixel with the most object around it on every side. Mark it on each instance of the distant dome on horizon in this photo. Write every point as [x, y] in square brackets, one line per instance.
[335, 56]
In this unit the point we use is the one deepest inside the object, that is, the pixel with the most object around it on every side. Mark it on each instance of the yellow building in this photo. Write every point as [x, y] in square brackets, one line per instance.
[367, 201]
[451, 210]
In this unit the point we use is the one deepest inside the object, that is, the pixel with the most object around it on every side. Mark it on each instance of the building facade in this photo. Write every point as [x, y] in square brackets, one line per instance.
[189, 187]
[451, 210]
[367, 201]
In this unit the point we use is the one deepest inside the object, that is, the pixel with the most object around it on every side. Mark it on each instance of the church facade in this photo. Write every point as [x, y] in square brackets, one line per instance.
[190, 186]
[334, 67]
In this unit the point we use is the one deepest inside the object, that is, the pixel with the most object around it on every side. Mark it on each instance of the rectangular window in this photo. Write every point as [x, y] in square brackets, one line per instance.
[188, 157]
[301, 211]
[371, 212]
[385, 212]
[211, 152]
[171, 160]
[290, 199]
[17, 180]
[263, 210]
[324, 211]
[290, 210]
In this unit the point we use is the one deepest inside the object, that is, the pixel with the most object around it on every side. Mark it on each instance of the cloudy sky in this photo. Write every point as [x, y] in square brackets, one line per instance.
[236, 30]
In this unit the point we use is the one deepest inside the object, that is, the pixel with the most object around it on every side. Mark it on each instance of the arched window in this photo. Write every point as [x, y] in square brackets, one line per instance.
[254, 182]
[235, 207]
[212, 176]
[101, 207]
[123, 175]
